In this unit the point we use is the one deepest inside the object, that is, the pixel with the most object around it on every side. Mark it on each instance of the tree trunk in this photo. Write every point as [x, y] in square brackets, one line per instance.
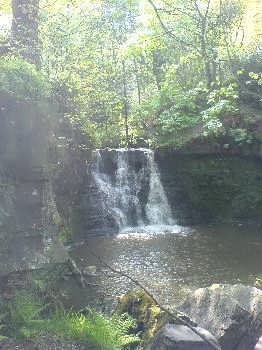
[205, 58]
[125, 100]
[137, 83]
[24, 33]
[156, 58]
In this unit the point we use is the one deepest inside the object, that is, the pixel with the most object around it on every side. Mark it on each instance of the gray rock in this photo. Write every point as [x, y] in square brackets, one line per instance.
[179, 337]
[231, 312]
[259, 344]
[28, 214]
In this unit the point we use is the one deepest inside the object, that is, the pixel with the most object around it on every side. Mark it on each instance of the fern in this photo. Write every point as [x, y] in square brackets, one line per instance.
[2, 337]
[94, 329]
[24, 318]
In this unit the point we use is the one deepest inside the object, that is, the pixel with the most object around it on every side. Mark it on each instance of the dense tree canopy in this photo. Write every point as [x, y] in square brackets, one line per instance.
[155, 72]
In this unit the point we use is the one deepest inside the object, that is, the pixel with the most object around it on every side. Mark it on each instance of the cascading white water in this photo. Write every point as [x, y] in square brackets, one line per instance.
[158, 210]
[121, 189]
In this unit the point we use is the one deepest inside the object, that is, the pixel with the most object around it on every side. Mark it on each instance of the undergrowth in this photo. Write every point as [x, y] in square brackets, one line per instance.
[27, 317]
[94, 329]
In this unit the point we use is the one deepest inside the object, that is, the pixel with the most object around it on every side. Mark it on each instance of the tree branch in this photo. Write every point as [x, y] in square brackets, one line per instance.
[166, 30]
[183, 319]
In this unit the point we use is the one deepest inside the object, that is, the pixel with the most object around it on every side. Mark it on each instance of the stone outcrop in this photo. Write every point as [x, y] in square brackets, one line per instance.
[233, 313]
[179, 337]
[28, 212]
[199, 187]
[212, 186]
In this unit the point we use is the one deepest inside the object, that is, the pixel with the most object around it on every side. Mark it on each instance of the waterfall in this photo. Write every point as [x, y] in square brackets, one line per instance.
[158, 210]
[130, 187]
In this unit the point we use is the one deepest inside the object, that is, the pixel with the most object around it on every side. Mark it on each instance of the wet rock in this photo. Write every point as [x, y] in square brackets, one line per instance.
[233, 313]
[28, 212]
[259, 344]
[179, 337]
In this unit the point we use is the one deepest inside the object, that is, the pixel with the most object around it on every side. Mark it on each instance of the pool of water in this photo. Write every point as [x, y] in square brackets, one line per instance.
[171, 262]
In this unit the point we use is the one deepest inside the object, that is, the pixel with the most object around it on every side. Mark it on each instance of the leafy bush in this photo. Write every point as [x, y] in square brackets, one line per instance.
[21, 79]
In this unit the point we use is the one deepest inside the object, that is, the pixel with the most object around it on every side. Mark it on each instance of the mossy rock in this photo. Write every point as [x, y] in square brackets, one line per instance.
[148, 315]
[258, 283]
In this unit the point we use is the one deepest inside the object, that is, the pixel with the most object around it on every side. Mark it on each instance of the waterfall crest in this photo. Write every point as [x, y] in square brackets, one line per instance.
[130, 187]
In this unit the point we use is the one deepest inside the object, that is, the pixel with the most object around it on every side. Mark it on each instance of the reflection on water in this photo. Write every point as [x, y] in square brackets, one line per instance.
[166, 262]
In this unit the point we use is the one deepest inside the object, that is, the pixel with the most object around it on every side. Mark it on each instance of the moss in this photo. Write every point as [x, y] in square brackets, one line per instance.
[149, 317]
[65, 234]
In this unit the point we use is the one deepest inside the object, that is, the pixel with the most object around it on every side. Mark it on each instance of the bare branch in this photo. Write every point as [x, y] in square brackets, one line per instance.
[166, 30]
[207, 9]
[183, 319]
[197, 9]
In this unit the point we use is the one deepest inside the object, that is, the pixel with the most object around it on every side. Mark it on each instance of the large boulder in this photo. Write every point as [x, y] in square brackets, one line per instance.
[159, 330]
[233, 313]
[259, 344]
[180, 337]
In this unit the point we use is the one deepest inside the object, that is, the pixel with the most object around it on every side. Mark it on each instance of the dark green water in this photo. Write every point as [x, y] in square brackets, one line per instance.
[171, 264]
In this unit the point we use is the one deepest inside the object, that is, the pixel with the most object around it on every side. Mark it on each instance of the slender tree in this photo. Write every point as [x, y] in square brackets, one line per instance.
[25, 27]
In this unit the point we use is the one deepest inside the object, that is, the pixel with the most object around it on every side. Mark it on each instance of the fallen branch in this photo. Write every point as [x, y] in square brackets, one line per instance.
[79, 273]
[176, 316]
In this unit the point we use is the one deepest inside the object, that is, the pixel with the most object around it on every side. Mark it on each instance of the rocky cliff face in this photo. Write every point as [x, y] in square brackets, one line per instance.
[200, 188]
[212, 186]
[28, 213]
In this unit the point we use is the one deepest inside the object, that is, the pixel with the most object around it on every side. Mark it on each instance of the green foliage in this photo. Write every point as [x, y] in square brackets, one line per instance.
[2, 327]
[94, 329]
[222, 103]
[65, 234]
[170, 112]
[120, 76]
[24, 315]
[241, 136]
[176, 115]
[21, 80]
[27, 317]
